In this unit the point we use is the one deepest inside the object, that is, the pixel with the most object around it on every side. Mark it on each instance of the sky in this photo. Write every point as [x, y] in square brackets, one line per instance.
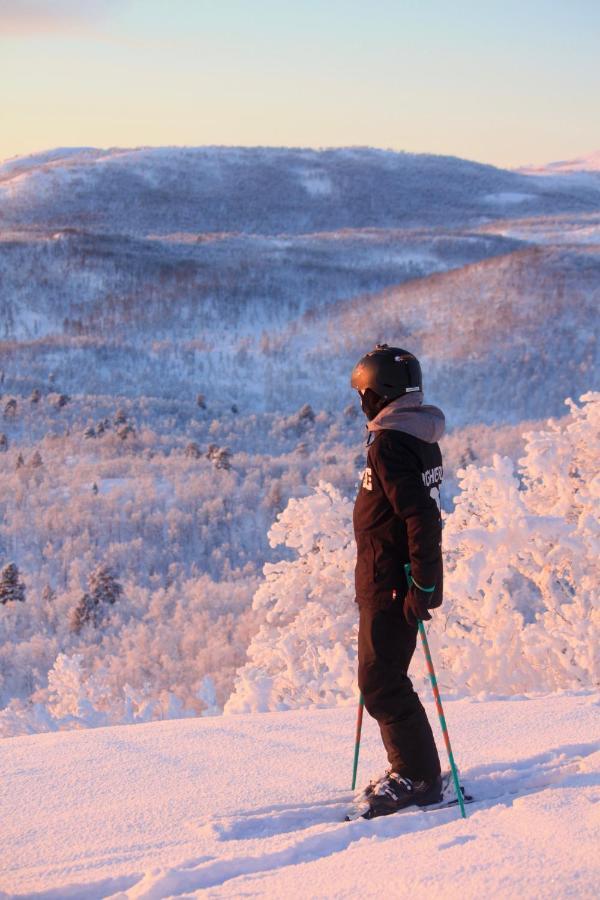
[509, 82]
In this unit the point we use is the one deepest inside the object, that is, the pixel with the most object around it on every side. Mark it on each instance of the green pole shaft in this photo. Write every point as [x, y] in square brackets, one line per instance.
[359, 718]
[442, 718]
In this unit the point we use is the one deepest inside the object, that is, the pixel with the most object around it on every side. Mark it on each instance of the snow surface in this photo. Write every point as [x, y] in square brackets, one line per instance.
[508, 197]
[250, 806]
[583, 229]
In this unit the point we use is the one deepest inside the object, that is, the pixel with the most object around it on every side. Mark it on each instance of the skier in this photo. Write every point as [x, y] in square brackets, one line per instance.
[397, 522]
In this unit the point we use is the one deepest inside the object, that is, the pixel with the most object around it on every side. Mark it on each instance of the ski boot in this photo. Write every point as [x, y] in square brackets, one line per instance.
[395, 792]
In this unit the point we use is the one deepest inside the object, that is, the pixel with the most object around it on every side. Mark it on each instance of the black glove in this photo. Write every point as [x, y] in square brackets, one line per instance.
[415, 605]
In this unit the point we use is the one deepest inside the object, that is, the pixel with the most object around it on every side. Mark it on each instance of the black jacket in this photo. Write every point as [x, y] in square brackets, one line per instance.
[397, 520]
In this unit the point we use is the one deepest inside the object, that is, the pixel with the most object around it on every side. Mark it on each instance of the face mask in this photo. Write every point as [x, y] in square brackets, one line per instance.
[371, 403]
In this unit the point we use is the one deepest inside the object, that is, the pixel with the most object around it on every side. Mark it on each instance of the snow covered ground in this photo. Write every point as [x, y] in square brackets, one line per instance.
[251, 806]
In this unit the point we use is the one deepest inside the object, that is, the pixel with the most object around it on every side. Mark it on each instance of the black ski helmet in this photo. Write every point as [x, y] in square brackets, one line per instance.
[389, 372]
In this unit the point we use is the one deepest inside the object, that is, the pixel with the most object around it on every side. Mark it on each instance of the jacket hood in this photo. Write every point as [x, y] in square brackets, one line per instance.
[409, 414]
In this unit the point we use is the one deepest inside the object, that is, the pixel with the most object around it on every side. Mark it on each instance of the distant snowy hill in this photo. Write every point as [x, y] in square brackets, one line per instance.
[516, 326]
[252, 805]
[237, 319]
[171, 271]
[266, 191]
[589, 163]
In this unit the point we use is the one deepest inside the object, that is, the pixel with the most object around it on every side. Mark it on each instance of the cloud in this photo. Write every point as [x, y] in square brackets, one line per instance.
[26, 17]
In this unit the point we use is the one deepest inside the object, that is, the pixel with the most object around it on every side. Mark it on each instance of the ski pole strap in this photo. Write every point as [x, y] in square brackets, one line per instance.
[411, 580]
[424, 589]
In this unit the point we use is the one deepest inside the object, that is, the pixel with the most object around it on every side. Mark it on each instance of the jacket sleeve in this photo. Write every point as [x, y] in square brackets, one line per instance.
[400, 475]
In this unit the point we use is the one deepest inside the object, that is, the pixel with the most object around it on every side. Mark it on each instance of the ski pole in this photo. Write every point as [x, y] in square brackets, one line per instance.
[359, 718]
[438, 703]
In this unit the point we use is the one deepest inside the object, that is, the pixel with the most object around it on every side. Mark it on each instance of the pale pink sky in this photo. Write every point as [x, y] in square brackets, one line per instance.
[508, 83]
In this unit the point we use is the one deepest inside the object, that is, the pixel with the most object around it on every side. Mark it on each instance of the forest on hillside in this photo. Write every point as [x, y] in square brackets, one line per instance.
[171, 397]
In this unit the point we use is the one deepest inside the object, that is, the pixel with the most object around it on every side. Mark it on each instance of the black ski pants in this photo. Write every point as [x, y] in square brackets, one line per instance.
[386, 643]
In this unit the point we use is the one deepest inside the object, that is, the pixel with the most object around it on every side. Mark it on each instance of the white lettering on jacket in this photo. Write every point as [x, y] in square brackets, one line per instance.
[432, 476]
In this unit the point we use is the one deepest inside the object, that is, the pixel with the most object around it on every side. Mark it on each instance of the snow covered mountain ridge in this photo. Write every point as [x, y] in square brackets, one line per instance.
[175, 266]
[588, 163]
[266, 191]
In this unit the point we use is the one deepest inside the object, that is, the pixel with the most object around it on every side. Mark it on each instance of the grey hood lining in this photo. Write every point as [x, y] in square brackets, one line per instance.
[410, 415]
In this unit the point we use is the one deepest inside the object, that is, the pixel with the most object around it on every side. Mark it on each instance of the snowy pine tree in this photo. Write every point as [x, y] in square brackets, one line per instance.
[192, 450]
[103, 586]
[12, 590]
[85, 613]
[223, 458]
[48, 594]
[103, 592]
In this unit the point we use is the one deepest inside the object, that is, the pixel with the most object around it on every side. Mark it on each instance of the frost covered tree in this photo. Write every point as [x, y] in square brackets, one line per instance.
[77, 698]
[304, 652]
[12, 589]
[523, 565]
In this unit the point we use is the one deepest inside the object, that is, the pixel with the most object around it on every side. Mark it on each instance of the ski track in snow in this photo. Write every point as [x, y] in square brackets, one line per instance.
[263, 840]
[487, 784]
